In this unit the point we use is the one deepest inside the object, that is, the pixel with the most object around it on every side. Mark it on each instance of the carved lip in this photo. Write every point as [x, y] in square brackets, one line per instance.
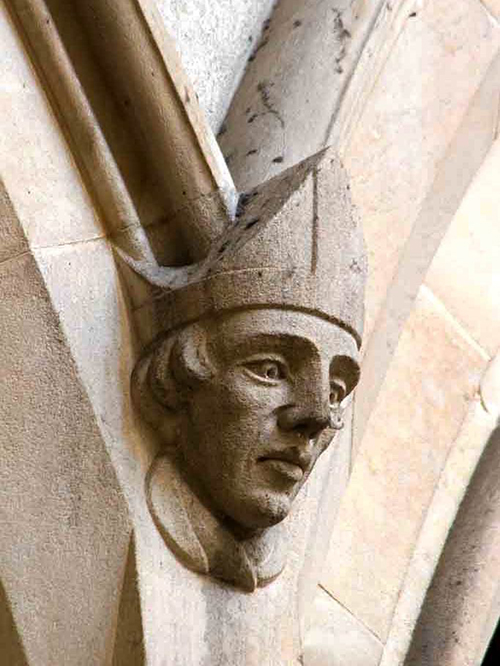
[286, 469]
[292, 457]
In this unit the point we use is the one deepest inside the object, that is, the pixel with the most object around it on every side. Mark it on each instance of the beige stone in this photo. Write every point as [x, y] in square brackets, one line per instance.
[465, 273]
[493, 6]
[214, 41]
[418, 103]
[453, 484]
[293, 86]
[337, 638]
[71, 341]
[473, 138]
[463, 603]
[434, 375]
[48, 193]
[63, 516]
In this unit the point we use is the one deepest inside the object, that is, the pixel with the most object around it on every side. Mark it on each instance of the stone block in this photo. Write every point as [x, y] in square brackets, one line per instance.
[416, 108]
[464, 273]
[64, 520]
[453, 484]
[214, 41]
[433, 376]
[463, 602]
[337, 638]
[44, 185]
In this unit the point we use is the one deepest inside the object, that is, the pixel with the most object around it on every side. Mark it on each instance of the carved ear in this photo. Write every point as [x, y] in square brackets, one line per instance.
[187, 361]
[162, 418]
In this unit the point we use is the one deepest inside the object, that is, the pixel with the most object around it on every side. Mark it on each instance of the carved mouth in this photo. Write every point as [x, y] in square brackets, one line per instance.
[287, 464]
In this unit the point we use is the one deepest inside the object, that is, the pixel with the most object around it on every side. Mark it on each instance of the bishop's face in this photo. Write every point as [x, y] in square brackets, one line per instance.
[251, 434]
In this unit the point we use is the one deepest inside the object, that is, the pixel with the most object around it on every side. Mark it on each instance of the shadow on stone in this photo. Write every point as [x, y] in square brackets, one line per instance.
[11, 648]
[129, 641]
[491, 657]
[467, 561]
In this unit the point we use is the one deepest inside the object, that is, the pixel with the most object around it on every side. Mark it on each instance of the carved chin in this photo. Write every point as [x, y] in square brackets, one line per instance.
[266, 511]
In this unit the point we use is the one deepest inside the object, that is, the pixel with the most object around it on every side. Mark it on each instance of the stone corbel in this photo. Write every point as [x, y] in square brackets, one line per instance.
[252, 355]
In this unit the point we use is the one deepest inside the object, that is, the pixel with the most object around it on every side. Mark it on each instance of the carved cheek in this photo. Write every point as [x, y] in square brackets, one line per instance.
[250, 396]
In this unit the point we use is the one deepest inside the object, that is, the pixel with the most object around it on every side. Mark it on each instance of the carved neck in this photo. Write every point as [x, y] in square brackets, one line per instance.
[204, 543]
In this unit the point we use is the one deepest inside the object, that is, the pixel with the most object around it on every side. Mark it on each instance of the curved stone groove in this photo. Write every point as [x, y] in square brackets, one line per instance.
[464, 593]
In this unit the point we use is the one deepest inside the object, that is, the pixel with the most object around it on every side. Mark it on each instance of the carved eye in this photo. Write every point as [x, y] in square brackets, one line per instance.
[268, 369]
[338, 390]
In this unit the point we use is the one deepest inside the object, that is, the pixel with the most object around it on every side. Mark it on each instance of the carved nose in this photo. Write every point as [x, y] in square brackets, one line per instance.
[309, 423]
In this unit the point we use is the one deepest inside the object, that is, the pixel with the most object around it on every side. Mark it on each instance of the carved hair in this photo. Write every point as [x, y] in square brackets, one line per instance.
[179, 364]
[171, 369]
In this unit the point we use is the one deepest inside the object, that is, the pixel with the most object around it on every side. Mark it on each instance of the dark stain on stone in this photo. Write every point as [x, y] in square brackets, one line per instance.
[354, 266]
[262, 44]
[252, 118]
[343, 35]
[263, 88]
[413, 14]
[297, 23]
[251, 152]
[278, 160]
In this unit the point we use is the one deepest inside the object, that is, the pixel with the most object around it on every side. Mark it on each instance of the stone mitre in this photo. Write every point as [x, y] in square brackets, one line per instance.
[295, 244]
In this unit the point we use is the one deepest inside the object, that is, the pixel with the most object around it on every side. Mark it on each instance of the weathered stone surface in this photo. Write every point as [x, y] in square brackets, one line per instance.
[214, 40]
[433, 376]
[63, 516]
[293, 87]
[464, 273]
[45, 186]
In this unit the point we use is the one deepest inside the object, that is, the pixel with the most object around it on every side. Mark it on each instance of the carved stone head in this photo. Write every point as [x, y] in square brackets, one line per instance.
[247, 383]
